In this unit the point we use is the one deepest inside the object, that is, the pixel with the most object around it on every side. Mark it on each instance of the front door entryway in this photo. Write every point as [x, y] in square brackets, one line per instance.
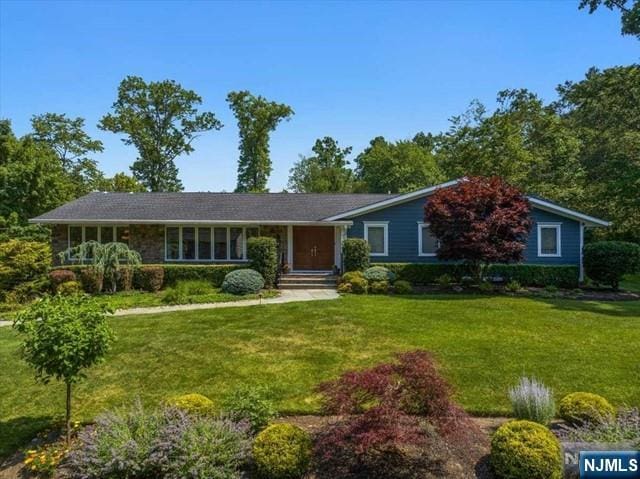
[313, 247]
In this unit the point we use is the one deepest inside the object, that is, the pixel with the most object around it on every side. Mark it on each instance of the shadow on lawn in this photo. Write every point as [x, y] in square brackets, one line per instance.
[620, 309]
[16, 433]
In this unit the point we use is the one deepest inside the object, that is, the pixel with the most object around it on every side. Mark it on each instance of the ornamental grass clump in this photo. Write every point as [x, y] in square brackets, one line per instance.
[533, 401]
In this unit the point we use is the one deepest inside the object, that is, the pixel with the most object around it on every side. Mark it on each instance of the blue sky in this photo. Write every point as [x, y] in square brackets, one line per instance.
[351, 70]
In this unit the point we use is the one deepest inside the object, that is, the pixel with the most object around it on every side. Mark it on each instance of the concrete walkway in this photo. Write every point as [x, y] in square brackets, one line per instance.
[286, 296]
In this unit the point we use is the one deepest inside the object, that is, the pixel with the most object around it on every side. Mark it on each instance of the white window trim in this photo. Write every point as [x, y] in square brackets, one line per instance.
[420, 253]
[558, 228]
[228, 259]
[378, 224]
[84, 235]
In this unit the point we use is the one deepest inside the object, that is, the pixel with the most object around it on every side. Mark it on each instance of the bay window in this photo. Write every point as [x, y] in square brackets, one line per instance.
[198, 243]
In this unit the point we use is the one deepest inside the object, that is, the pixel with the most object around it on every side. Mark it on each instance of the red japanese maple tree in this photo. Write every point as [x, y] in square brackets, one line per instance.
[479, 221]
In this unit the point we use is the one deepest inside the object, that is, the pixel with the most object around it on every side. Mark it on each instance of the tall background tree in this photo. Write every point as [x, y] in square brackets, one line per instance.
[386, 167]
[630, 13]
[121, 183]
[257, 118]
[161, 119]
[327, 171]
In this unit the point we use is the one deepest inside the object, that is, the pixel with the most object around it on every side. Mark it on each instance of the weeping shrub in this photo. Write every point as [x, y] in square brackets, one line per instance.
[533, 401]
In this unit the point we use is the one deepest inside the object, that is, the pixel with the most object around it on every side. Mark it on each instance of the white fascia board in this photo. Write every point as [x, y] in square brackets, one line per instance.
[588, 220]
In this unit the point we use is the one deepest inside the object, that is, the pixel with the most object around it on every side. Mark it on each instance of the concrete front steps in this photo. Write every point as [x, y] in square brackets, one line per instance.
[308, 281]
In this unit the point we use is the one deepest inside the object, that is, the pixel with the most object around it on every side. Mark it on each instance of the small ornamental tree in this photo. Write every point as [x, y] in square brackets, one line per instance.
[479, 221]
[63, 336]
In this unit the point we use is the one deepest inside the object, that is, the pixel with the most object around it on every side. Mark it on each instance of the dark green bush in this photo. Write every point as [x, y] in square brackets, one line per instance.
[563, 276]
[243, 281]
[526, 450]
[282, 451]
[608, 261]
[212, 273]
[91, 280]
[402, 287]
[379, 273]
[249, 404]
[262, 252]
[149, 278]
[355, 254]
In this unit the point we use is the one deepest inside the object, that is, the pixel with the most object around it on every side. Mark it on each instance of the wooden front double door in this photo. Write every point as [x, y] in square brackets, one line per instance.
[313, 247]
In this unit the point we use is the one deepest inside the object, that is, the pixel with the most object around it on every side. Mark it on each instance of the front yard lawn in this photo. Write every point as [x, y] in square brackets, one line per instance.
[483, 344]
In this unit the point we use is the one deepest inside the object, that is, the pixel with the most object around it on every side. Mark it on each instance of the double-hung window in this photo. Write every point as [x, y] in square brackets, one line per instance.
[198, 243]
[549, 240]
[427, 243]
[377, 235]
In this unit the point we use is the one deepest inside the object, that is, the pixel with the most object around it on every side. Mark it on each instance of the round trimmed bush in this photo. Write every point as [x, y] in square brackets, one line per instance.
[61, 276]
[282, 451]
[402, 287]
[577, 408]
[350, 276]
[344, 288]
[359, 285]
[195, 404]
[379, 273]
[68, 288]
[608, 261]
[379, 287]
[243, 281]
[526, 450]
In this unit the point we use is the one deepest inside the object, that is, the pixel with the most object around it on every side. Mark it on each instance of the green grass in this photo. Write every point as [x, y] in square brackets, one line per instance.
[482, 343]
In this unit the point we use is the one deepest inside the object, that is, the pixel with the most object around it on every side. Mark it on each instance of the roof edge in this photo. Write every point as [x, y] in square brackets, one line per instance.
[53, 221]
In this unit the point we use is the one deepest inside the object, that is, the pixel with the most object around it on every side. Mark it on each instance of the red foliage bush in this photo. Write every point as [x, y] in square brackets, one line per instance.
[479, 221]
[59, 276]
[149, 278]
[388, 406]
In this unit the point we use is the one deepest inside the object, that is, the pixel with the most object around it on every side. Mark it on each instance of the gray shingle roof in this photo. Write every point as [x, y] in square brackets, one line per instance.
[250, 207]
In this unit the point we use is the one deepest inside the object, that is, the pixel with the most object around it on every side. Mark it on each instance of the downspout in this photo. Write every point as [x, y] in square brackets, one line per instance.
[581, 277]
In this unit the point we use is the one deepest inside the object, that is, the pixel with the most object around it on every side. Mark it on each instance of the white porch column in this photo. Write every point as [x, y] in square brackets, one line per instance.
[290, 246]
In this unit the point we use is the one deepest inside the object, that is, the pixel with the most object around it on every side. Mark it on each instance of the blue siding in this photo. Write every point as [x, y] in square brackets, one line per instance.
[403, 234]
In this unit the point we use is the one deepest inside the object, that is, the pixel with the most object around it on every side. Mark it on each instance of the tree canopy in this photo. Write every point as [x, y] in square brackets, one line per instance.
[629, 9]
[257, 118]
[161, 119]
[327, 171]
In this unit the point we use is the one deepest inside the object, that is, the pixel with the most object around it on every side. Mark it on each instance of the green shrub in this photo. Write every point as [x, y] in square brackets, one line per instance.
[526, 450]
[262, 252]
[23, 262]
[550, 288]
[124, 278]
[513, 286]
[60, 276]
[183, 291]
[149, 278]
[379, 273]
[608, 261]
[251, 405]
[378, 287]
[445, 280]
[195, 404]
[243, 281]
[355, 254]
[580, 407]
[282, 451]
[69, 287]
[344, 288]
[359, 285]
[486, 287]
[91, 280]
[350, 276]
[402, 287]
[213, 273]
[424, 273]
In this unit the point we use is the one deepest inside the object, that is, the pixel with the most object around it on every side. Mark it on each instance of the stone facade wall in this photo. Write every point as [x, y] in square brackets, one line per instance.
[148, 240]
[59, 241]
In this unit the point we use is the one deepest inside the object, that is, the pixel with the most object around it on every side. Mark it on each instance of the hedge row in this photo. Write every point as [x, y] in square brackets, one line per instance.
[213, 273]
[564, 276]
